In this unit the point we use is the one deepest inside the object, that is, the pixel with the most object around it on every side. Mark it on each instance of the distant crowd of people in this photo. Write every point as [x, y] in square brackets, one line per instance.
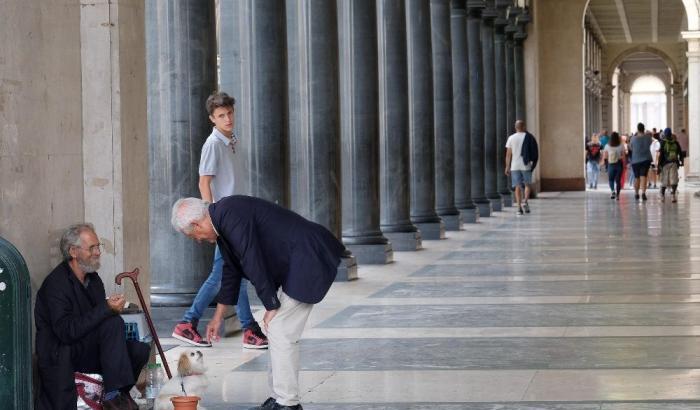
[640, 160]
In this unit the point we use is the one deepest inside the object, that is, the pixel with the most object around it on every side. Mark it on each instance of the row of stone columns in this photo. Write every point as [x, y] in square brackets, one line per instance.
[593, 85]
[386, 122]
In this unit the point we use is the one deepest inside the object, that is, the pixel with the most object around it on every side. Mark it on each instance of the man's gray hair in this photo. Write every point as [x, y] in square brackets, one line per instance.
[186, 211]
[71, 238]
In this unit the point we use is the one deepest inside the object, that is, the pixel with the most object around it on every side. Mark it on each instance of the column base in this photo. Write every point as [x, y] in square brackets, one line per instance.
[452, 222]
[484, 209]
[404, 241]
[692, 180]
[378, 254]
[431, 230]
[496, 203]
[347, 270]
[507, 199]
[469, 215]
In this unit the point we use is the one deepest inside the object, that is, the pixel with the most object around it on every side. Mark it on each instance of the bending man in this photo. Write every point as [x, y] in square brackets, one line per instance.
[290, 261]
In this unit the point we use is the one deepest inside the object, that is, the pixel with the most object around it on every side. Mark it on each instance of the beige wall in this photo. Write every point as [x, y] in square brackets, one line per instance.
[41, 183]
[559, 118]
[73, 141]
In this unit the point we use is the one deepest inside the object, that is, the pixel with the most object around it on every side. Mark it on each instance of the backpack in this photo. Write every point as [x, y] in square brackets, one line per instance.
[672, 151]
[593, 152]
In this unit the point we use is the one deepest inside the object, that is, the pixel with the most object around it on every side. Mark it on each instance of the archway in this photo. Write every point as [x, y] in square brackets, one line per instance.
[648, 103]
[619, 47]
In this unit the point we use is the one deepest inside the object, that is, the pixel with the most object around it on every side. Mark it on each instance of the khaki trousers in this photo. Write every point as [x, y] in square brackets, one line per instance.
[283, 334]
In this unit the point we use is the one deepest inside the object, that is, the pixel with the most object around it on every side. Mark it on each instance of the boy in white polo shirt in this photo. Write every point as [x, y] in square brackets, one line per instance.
[216, 180]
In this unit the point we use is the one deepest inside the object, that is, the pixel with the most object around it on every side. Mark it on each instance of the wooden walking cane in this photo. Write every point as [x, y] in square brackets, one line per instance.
[134, 276]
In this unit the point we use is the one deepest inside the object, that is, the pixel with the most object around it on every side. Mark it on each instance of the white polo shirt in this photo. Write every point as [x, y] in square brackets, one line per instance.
[217, 160]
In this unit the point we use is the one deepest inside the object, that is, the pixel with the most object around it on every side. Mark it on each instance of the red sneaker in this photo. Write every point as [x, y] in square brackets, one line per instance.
[254, 338]
[188, 333]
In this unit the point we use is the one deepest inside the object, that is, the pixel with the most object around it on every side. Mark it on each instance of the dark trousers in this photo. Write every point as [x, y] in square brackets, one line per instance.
[105, 351]
[615, 176]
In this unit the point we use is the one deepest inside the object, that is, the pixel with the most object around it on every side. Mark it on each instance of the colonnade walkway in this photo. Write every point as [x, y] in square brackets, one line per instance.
[586, 303]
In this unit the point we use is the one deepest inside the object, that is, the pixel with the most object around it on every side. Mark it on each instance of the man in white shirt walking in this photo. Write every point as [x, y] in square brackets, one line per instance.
[519, 171]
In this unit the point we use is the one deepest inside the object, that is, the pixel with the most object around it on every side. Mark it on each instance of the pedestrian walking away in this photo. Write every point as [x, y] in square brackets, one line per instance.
[614, 154]
[521, 158]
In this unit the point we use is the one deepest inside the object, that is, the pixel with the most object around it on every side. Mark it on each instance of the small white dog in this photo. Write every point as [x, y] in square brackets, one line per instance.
[190, 377]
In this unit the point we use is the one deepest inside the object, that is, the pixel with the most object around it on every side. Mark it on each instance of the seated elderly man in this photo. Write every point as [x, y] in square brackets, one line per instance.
[78, 329]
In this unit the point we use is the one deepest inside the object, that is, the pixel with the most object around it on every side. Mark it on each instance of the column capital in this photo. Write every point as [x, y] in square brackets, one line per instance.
[502, 19]
[522, 19]
[475, 7]
[677, 88]
[489, 14]
[607, 90]
[458, 5]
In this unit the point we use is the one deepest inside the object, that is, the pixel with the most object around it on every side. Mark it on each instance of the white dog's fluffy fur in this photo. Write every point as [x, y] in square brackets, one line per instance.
[190, 369]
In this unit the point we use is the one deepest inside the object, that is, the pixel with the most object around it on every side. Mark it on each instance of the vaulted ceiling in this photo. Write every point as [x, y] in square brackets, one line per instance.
[637, 21]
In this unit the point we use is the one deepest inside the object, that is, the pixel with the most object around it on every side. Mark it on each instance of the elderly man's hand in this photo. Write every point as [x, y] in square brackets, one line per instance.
[212, 332]
[116, 303]
[268, 318]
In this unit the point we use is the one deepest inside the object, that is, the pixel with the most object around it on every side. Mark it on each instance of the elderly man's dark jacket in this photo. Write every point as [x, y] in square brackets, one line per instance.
[273, 247]
[64, 313]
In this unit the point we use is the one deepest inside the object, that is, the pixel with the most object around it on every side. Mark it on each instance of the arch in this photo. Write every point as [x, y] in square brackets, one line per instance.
[630, 79]
[692, 12]
[643, 48]
[664, 86]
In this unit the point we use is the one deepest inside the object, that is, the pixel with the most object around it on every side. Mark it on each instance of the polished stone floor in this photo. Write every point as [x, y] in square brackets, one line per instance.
[586, 303]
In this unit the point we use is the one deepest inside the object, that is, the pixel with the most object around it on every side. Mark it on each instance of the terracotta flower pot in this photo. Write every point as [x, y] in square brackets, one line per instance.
[185, 402]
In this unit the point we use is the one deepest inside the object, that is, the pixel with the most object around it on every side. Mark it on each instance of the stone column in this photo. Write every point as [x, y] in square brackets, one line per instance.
[693, 54]
[669, 109]
[460, 93]
[476, 106]
[421, 121]
[359, 131]
[510, 30]
[394, 150]
[501, 105]
[442, 106]
[678, 121]
[254, 70]
[314, 126]
[520, 36]
[181, 69]
[488, 15]
[607, 106]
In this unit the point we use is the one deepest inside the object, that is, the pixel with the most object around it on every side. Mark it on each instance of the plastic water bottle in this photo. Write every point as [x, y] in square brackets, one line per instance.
[153, 383]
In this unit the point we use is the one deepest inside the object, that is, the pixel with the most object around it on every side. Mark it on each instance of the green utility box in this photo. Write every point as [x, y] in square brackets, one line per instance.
[15, 330]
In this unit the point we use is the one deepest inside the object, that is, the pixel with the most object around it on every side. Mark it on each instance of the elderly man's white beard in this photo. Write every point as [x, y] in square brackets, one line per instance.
[87, 266]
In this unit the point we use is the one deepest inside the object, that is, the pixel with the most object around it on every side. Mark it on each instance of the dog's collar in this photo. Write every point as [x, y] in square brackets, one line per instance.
[194, 374]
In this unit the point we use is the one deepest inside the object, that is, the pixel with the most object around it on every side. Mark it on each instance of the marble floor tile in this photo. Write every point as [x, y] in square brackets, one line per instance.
[426, 353]
[427, 316]
[614, 385]
[551, 288]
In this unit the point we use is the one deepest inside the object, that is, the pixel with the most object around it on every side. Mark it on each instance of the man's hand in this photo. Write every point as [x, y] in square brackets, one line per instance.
[116, 303]
[212, 333]
[507, 171]
[268, 318]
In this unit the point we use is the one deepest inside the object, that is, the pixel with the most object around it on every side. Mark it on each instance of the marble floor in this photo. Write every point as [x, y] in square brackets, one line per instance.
[586, 303]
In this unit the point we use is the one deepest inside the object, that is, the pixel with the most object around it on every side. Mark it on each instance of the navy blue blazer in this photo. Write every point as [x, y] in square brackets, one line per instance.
[273, 247]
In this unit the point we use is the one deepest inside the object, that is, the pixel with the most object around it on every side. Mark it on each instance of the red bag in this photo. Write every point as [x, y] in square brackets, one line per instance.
[90, 391]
